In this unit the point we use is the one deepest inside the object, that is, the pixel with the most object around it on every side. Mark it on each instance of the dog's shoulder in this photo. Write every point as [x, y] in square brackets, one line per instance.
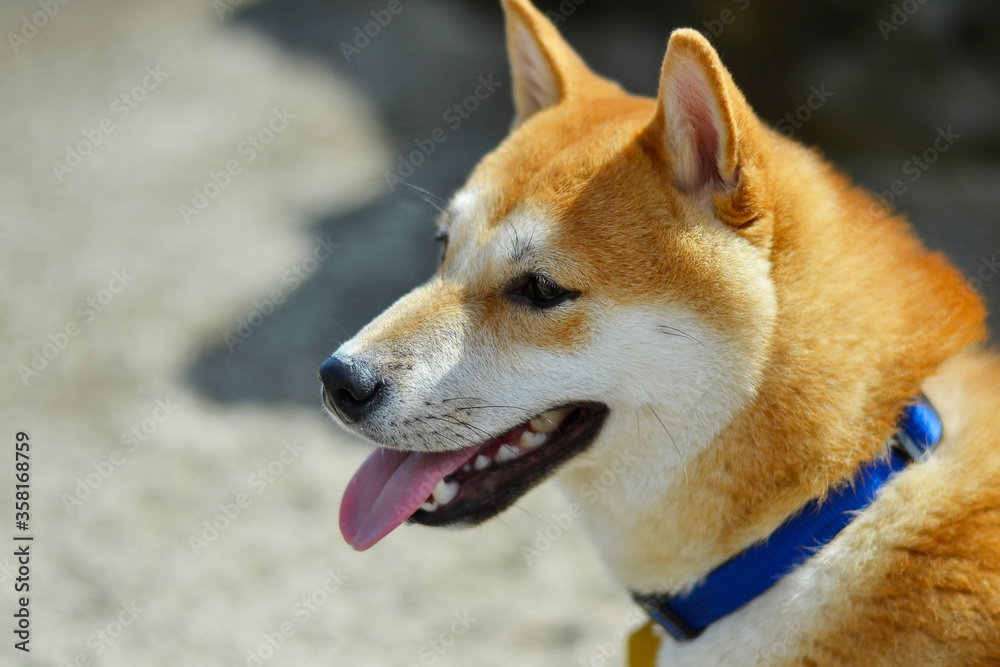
[931, 588]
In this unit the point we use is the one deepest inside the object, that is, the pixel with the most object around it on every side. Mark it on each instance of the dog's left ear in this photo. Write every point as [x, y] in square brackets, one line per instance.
[545, 69]
[704, 131]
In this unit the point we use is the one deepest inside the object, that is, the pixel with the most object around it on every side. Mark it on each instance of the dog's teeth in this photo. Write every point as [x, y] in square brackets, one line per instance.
[548, 422]
[466, 468]
[445, 492]
[531, 440]
[506, 453]
[481, 462]
[429, 506]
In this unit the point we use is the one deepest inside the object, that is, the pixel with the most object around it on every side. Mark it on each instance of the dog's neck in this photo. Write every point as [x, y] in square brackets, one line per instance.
[841, 364]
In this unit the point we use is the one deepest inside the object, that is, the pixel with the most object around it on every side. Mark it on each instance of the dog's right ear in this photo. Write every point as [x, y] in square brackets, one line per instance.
[545, 69]
[705, 133]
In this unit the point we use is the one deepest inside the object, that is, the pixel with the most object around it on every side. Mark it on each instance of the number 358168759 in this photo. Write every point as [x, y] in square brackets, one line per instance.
[22, 475]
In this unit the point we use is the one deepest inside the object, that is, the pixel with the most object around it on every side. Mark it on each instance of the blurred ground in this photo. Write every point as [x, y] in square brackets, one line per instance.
[180, 363]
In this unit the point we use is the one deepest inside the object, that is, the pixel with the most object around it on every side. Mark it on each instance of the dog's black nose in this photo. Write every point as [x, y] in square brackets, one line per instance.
[352, 389]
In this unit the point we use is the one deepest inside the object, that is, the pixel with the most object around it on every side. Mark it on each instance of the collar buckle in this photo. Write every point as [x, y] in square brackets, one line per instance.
[920, 430]
[659, 610]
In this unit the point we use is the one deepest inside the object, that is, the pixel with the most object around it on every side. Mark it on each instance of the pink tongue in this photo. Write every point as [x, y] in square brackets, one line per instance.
[389, 487]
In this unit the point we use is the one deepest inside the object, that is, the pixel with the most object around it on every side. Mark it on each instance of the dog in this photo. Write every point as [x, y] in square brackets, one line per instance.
[791, 389]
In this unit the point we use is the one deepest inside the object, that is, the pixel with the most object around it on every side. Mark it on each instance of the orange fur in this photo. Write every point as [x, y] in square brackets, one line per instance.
[650, 204]
[863, 319]
[932, 595]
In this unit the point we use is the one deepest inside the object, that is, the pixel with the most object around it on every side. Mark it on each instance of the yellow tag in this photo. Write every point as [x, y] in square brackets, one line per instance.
[643, 646]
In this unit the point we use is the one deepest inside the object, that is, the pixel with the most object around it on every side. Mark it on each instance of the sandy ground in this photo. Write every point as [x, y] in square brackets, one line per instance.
[185, 487]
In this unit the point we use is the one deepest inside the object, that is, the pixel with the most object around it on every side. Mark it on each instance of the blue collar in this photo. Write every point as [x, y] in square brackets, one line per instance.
[748, 574]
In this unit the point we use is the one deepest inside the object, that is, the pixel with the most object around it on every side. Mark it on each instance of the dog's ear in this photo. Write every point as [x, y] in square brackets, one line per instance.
[545, 69]
[703, 130]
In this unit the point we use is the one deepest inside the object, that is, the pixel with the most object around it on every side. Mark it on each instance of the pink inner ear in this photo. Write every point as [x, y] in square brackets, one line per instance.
[535, 77]
[695, 122]
[534, 86]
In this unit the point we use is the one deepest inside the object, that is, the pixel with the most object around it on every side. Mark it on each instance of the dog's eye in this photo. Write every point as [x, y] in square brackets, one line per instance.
[540, 291]
[442, 238]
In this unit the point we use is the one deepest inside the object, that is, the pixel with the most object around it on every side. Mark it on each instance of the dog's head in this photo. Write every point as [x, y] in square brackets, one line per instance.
[604, 296]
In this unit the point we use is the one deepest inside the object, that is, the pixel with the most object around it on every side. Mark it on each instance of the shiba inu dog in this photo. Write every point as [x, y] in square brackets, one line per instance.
[785, 382]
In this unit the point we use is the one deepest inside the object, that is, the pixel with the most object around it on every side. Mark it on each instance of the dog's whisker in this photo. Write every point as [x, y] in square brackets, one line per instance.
[485, 407]
[513, 229]
[346, 332]
[459, 422]
[674, 331]
[446, 436]
[529, 512]
[679, 456]
[500, 407]
[428, 196]
[504, 522]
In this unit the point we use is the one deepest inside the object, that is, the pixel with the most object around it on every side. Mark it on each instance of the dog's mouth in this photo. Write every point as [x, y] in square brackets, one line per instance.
[467, 486]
